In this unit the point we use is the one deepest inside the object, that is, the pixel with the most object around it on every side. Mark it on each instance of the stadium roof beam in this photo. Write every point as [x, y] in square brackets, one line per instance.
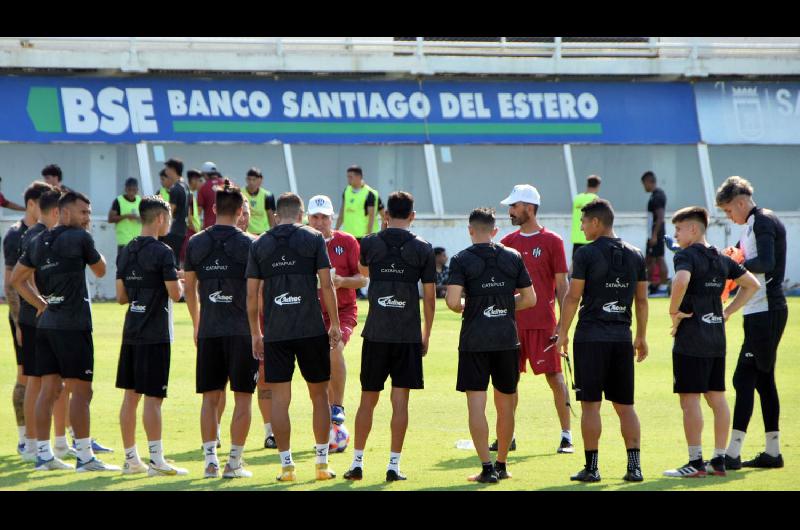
[384, 56]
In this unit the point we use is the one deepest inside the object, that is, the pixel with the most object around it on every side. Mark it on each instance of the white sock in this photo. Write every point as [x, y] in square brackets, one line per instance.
[358, 459]
[21, 433]
[219, 430]
[132, 455]
[43, 450]
[210, 451]
[235, 456]
[30, 445]
[322, 453]
[719, 452]
[61, 441]
[394, 462]
[567, 434]
[268, 430]
[735, 447]
[84, 448]
[286, 458]
[157, 452]
[695, 452]
[773, 443]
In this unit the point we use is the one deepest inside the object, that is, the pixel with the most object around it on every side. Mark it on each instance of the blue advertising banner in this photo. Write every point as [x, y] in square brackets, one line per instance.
[748, 113]
[130, 110]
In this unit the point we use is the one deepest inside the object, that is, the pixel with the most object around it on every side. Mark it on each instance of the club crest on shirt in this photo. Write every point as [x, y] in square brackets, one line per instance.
[339, 250]
[536, 252]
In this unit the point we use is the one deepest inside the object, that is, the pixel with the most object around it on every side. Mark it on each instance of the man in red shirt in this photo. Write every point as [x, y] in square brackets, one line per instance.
[207, 196]
[343, 251]
[543, 254]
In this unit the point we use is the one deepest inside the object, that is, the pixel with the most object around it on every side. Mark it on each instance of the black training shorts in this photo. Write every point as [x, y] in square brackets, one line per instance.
[313, 357]
[29, 350]
[401, 360]
[762, 334]
[17, 347]
[144, 368]
[474, 369]
[220, 359]
[697, 375]
[66, 352]
[604, 367]
[657, 250]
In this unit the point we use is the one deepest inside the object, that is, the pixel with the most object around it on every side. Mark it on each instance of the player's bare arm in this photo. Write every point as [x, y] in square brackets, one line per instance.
[21, 279]
[525, 298]
[99, 268]
[748, 286]
[571, 301]
[453, 298]
[429, 309]
[192, 303]
[679, 285]
[642, 309]
[122, 294]
[253, 294]
[329, 299]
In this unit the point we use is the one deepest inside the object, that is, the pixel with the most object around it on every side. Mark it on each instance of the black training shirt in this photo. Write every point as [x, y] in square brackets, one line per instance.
[12, 241]
[397, 260]
[144, 265]
[218, 256]
[658, 199]
[610, 269]
[27, 313]
[178, 195]
[703, 334]
[60, 257]
[287, 258]
[490, 274]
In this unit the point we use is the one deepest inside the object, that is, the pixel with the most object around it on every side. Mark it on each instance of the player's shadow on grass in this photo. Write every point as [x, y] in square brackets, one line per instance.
[471, 461]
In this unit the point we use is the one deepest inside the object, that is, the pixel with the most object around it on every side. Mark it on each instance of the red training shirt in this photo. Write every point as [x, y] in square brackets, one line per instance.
[3, 200]
[343, 251]
[543, 254]
[206, 198]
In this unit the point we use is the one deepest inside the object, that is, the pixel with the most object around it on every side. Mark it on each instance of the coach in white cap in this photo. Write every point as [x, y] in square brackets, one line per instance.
[206, 196]
[343, 251]
[543, 254]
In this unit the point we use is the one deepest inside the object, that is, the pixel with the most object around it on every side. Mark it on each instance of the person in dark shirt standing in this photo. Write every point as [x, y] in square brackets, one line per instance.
[442, 271]
[763, 243]
[64, 348]
[395, 260]
[488, 275]
[698, 325]
[283, 267]
[607, 276]
[179, 205]
[656, 230]
[11, 253]
[216, 261]
[147, 281]
[53, 175]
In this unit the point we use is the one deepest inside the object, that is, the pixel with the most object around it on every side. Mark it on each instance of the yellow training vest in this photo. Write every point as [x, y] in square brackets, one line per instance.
[355, 219]
[164, 192]
[581, 200]
[259, 220]
[127, 229]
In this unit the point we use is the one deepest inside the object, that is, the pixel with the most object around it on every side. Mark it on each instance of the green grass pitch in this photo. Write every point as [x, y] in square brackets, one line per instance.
[438, 418]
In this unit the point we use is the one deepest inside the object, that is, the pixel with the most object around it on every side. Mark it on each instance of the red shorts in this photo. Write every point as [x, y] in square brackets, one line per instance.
[347, 322]
[532, 348]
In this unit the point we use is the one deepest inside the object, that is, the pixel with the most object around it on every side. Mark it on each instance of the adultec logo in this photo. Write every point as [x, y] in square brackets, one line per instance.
[491, 312]
[218, 298]
[390, 302]
[137, 308]
[612, 307]
[286, 299]
[711, 318]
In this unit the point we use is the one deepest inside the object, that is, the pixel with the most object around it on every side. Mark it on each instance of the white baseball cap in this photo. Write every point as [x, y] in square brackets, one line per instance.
[523, 193]
[320, 204]
[209, 167]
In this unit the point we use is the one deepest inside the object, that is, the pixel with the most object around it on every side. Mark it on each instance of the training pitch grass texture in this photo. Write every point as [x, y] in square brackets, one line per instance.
[438, 418]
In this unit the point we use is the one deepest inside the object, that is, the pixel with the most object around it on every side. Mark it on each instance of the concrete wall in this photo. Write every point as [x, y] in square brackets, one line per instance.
[452, 235]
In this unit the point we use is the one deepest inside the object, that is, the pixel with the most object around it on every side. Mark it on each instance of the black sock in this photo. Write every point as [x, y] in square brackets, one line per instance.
[499, 465]
[487, 467]
[591, 460]
[633, 459]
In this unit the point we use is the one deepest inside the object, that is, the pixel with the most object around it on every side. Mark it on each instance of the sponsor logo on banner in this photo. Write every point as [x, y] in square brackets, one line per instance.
[491, 312]
[287, 299]
[218, 298]
[389, 301]
[612, 307]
